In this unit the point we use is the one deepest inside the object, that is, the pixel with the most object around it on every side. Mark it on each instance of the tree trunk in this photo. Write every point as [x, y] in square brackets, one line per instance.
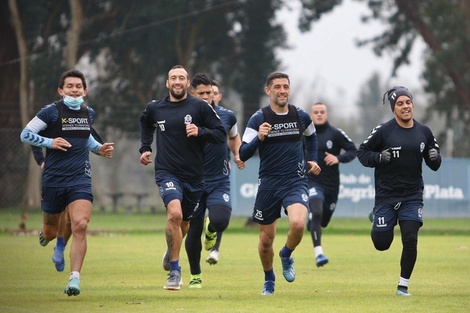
[32, 195]
[73, 35]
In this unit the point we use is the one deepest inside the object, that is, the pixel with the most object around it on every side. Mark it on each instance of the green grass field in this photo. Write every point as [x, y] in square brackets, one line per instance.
[122, 270]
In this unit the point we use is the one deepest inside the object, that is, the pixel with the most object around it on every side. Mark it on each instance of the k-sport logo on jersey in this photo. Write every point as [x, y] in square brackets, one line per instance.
[74, 120]
[75, 123]
[284, 129]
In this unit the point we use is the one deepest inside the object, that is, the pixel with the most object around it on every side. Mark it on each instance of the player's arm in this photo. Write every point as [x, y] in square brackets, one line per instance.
[212, 131]
[234, 143]
[348, 146]
[370, 151]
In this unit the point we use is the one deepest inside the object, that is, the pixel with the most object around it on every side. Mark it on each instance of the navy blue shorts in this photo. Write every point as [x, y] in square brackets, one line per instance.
[215, 194]
[188, 193]
[55, 199]
[268, 203]
[328, 196]
[387, 215]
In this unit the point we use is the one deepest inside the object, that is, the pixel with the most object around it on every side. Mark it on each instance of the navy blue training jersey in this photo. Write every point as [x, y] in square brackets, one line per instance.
[400, 179]
[332, 140]
[71, 167]
[216, 156]
[176, 152]
[282, 160]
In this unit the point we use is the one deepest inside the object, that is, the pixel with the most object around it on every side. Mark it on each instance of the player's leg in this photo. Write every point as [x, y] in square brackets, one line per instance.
[266, 211]
[219, 217]
[80, 213]
[213, 257]
[316, 209]
[410, 217]
[53, 204]
[385, 219]
[297, 215]
[193, 245]
[267, 233]
[63, 234]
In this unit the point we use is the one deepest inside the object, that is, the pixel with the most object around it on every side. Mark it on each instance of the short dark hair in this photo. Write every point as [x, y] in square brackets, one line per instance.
[274, 76]
[71, 73]
[201, 79]
[215, 83]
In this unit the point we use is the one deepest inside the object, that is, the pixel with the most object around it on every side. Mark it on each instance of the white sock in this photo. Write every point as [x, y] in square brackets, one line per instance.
[404, 282]
[318, 250]
[74, 275]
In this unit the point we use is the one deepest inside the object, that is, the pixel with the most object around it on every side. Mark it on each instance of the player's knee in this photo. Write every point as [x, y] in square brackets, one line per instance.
[49, 233]
[325, 221]
[410, 240]
[219, 216]
[297, 226]
[382, 240]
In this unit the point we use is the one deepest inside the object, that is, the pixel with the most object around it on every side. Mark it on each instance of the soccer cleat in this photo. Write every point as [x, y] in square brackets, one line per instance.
[196, 281]
[209, 237]
[58, 259]
[42, 241]
[321, 260]
[268, 288]
[174, 281]
[213, 257]
[73, 287]
[166, 261]
[288, 268]
[403, 292]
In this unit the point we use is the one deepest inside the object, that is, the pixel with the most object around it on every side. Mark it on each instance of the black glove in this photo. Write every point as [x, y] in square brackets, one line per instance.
[384, 156]
[433, 154]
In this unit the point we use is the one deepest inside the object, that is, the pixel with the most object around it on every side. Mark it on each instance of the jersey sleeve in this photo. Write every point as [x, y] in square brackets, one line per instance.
[147, 129]
[369, 151]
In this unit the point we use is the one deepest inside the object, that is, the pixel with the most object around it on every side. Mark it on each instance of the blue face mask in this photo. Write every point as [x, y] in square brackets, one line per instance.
[72, 102]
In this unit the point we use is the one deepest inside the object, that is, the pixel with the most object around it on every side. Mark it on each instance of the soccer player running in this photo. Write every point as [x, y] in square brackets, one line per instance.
[183, 124]
[64, 228]
[276, 131]
[234, 144]
[216, 197]
[334, 147]
[65, 129]
[396, 150]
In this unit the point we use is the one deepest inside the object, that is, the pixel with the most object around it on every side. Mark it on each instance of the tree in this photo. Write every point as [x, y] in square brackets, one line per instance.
[127, 49]
[370, 105]
[444, 27]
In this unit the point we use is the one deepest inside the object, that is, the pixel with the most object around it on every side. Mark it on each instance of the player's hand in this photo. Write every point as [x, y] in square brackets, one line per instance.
[106, 150]
[191, 130]
[384, 156]
[60, 143]
[145, 158]
[330, 159]
[433, 154]
[240, 164]
[314, 168]
[264, 130]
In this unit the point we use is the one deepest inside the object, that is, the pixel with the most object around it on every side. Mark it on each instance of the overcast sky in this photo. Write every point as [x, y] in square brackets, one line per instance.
[327, 64]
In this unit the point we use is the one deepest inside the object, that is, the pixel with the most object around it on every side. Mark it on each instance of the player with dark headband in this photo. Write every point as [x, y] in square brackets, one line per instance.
[396, 149]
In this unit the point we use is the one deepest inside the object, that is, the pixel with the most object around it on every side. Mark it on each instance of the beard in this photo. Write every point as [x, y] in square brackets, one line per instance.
[178, 95]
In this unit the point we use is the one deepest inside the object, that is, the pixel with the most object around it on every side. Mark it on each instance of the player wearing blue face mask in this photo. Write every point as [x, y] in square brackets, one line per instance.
[64, 129]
